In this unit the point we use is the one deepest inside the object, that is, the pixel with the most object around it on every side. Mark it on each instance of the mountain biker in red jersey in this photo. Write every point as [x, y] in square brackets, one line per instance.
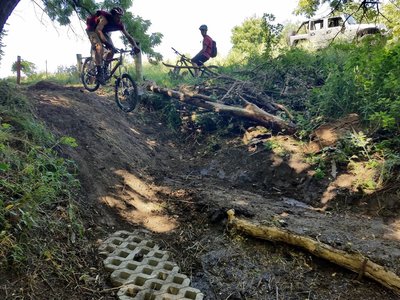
[98, 29]
[205, 52]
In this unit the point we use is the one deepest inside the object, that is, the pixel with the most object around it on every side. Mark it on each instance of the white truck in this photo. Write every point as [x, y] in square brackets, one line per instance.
[320, 32]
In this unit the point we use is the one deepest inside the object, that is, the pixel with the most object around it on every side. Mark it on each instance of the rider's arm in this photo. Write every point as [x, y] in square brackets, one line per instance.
[130, 38]
[204, 47]
[203, 50]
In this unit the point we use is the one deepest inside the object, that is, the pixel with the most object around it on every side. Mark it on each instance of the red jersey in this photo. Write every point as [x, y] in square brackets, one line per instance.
[207, 41]
[92, 21]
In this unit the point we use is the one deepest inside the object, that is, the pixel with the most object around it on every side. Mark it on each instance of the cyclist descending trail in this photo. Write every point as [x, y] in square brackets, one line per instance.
[98, 28]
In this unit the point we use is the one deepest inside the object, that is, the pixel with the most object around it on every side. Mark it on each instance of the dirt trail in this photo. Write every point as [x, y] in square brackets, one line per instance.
[137, 174]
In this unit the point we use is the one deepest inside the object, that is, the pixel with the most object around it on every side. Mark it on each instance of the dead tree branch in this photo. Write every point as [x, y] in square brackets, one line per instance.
[250, 111]
[352, 261]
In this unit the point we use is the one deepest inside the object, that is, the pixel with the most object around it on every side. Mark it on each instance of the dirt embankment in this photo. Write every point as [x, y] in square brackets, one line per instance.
[137, 174]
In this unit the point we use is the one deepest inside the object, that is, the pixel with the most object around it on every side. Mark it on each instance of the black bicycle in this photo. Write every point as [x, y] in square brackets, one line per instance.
[184, 66]
[126, 90]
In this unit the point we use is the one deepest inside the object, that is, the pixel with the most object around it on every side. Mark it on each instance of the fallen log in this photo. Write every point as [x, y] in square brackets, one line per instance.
[352, 261]
[249, 111]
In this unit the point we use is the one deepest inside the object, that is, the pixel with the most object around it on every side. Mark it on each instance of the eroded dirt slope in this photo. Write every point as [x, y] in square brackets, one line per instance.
[137, 174]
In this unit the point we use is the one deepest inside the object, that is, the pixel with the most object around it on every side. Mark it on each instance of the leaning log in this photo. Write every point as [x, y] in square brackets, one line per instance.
[352, 261]
[250, 111]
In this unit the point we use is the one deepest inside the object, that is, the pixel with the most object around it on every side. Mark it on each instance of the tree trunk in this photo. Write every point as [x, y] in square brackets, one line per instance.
[7, 7]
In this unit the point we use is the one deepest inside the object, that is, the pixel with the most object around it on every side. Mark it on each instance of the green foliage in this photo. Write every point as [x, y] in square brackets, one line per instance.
[158, 73]
[254, 38]
[62, 10]
[33, 178]
[362, 79]
[272, 33]
[249, 39]
[356, 145]
[310, 7]
[319, 174]
[392, 18]
[2, 34]
[171, 115]
[63, 75]
[28, 68]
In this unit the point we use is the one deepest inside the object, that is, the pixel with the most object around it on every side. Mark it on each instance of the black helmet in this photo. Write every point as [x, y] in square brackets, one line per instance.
[203, 27]
[117, 11]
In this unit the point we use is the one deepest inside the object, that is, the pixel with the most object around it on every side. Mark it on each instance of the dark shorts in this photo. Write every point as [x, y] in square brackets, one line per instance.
[200, 59]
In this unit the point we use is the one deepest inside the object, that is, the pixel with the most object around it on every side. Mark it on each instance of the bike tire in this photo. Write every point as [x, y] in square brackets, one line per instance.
[88, 75]
[126, 93]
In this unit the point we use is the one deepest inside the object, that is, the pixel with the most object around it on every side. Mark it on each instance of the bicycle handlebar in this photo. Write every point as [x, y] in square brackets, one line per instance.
[180, 54]
[176, 51]
[130, 51]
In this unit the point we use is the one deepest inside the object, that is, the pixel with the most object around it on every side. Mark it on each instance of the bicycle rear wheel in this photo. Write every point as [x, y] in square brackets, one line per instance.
[126, 93]
[88, 75]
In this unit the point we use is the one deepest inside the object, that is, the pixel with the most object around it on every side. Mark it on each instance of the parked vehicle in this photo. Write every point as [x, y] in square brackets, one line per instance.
[320, 32]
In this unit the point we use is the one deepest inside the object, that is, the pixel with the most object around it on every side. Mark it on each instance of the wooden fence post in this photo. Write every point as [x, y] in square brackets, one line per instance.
[18, 69]
[79, 62]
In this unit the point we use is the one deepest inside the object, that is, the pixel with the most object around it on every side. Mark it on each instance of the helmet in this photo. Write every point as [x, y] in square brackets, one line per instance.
[203, 27]
[117, 11]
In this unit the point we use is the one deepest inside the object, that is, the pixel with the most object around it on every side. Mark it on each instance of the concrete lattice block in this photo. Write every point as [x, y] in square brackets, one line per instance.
[129, 292]
[143, 270]
[110, 245]
[189, 293]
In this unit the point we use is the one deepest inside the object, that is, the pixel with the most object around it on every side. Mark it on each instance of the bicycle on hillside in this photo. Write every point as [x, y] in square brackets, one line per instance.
[126, 90]
[184, 63]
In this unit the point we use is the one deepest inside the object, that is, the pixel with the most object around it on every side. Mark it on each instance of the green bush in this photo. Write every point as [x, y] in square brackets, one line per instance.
[362, 79]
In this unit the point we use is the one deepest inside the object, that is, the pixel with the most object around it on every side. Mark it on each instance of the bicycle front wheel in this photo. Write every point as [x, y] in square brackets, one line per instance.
[126, 93]
[88, 75]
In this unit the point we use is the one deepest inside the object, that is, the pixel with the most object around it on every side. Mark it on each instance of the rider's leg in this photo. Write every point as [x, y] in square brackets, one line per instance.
[97, 46]
[98, 50]
[110, 54]
[98, 58]
[197, 62]
[196, 69]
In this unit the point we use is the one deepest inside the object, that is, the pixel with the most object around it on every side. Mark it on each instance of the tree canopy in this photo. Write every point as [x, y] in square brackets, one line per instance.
[61, 12]
[310, 7]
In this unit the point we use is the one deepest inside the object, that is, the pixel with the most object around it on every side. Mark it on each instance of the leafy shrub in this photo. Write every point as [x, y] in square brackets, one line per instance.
[363, 79]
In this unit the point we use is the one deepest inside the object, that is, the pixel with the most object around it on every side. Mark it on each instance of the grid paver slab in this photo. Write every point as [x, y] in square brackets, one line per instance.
[143, 271]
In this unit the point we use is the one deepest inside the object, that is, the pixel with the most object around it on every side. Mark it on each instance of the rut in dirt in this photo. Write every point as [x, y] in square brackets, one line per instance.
[138, 174]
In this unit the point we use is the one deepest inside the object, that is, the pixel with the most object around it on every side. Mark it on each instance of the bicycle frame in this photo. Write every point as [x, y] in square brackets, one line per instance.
[184, 62]
[120, 62]
[125, 88]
